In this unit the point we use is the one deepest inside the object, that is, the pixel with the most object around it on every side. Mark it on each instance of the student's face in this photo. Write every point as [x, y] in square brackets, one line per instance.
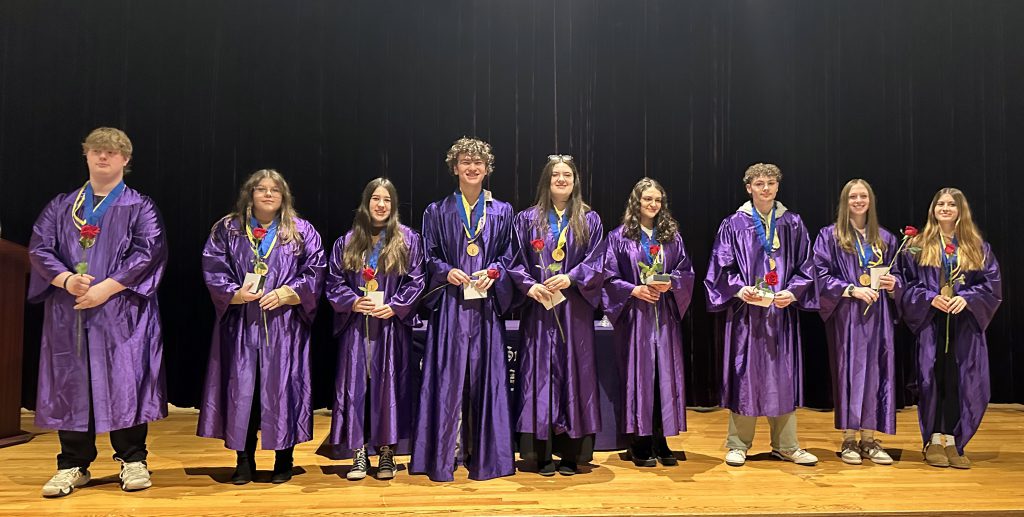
[650, 202]
[763, 189]
[266, 196]
[946, 210]
[471, 170]
[858, 201]
[380, 206]
[105, 163]
[562, 181]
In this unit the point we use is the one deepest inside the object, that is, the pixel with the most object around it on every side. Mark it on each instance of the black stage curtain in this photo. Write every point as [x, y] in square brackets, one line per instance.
[911, 95]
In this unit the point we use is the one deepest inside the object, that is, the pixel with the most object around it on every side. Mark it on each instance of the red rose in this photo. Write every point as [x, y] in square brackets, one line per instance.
[89, 231]
[772, 278]
[910, 231]
[259, 233]
[538, 244]
[493, 273]
[950, 249]
[655, 249]
[368, 274]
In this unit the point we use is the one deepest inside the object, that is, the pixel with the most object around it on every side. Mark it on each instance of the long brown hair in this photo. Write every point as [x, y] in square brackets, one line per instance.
[970, 254]
[394, 257]
[575, 209]
[286, 231]
[844, 232]
[665, 226]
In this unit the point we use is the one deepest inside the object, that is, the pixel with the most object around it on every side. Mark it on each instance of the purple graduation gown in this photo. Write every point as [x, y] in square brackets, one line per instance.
[120, 366]
[983, 290]
[556, 382]
[644, 344]
[240, 345]
[388, 352]
[860, 346]
[465, 350]
[762, 372]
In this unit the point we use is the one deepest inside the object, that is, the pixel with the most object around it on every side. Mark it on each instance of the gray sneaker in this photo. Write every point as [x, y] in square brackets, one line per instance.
[65, 481]
[135, 476]
[872, 450]
[850, 452]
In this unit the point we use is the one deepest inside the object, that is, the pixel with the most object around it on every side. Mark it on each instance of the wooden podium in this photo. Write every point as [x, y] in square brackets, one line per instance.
[13, 274]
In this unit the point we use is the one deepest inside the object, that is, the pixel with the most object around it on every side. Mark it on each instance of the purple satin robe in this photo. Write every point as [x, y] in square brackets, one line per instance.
[983, 290]
[860, 346]
[240, 341]
[386, 352]
[646, 341]
[556, 382]
[120, 365]
[762, 363]
[465, 350]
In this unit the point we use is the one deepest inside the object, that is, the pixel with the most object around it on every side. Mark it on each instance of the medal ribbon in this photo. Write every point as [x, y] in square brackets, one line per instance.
[558, 223]
[950, 264]
[269, 241]
[863, 259]
[767, 237]
[470, 214]
[93, 215]
[646, 241]
[374, 256]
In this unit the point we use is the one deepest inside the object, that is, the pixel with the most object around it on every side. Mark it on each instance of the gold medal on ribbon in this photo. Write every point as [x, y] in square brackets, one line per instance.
[558, 254]
[947, 291]
[771, 263]
[865, 279]
[260, 268]
[371, 285]
[472, 249]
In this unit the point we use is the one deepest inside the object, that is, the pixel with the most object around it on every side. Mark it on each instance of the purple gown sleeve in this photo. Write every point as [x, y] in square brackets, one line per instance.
[504, 291]
[42, 253]
[588, 275]
[984, 290]
[404, 301]
[801, 281]
[683, 279]
[309, 278]
[518, 272]
[915, 296]
[143, 267]
[723, 281]
[340, 294]
[218, 272]
[617, 290]
[830, 283]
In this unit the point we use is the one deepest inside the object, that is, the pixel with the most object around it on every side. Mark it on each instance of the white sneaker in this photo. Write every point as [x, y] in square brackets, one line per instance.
[850, 453]
[65, 481]
[135, 476]
[736, 457]
[798, 456]
[872, 450]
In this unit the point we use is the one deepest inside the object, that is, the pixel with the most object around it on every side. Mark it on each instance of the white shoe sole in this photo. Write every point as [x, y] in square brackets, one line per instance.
[355, 477]
[84, 480]
[385, 474]
[778, 455]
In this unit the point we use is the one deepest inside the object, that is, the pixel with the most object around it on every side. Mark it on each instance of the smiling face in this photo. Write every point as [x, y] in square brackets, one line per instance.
[266, 198]
[379, 206]
[946, 210]
[859, 200]
[650, 205]
[562, 182]
[471, 170]
[763, 190]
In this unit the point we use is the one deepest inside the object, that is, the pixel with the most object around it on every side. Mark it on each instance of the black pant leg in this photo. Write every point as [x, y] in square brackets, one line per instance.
[130, 443]
[947, 381]
[77, 448]
[542, 448]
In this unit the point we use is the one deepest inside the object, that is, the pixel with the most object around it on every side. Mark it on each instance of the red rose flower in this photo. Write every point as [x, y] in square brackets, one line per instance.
[655, 249]
[538, 245]
[910, 231]
[493, 273]
[90, 231]
[368, 274]
[259, 233]
[771, 278]
[950, 249]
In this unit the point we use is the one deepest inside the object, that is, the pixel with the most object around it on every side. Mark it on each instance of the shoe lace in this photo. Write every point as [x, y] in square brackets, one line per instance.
[133, 469]
[359, 460]
[65, 475]
[387, 458]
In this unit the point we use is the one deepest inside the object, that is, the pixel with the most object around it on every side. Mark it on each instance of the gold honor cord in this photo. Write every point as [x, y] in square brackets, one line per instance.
[261, 266]
[558, 254]
[77, 205]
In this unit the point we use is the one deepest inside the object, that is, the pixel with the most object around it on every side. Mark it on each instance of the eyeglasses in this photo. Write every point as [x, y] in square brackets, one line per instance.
[559, 158]
[264, 191]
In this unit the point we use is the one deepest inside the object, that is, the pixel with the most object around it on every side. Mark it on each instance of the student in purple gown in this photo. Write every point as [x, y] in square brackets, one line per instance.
[646, 317]
[376, 276]
[558, 250]
[98, 254]
[951, 293]
[859, 322]
[761, 272]
[264, 268]
[463, 414]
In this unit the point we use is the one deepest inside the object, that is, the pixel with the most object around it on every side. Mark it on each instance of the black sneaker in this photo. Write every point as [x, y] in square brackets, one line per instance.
[567, 468]
[664, 454]
[386, 464]
[547, 469]
[359, 466]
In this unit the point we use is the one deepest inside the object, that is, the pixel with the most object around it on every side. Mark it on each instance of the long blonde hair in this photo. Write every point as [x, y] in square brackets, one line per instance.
[286, 231]
[970, 254]
[844, 232]
[394, 257]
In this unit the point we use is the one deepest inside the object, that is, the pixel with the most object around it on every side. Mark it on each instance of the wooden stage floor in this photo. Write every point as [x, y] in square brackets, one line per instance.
[190, 474]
